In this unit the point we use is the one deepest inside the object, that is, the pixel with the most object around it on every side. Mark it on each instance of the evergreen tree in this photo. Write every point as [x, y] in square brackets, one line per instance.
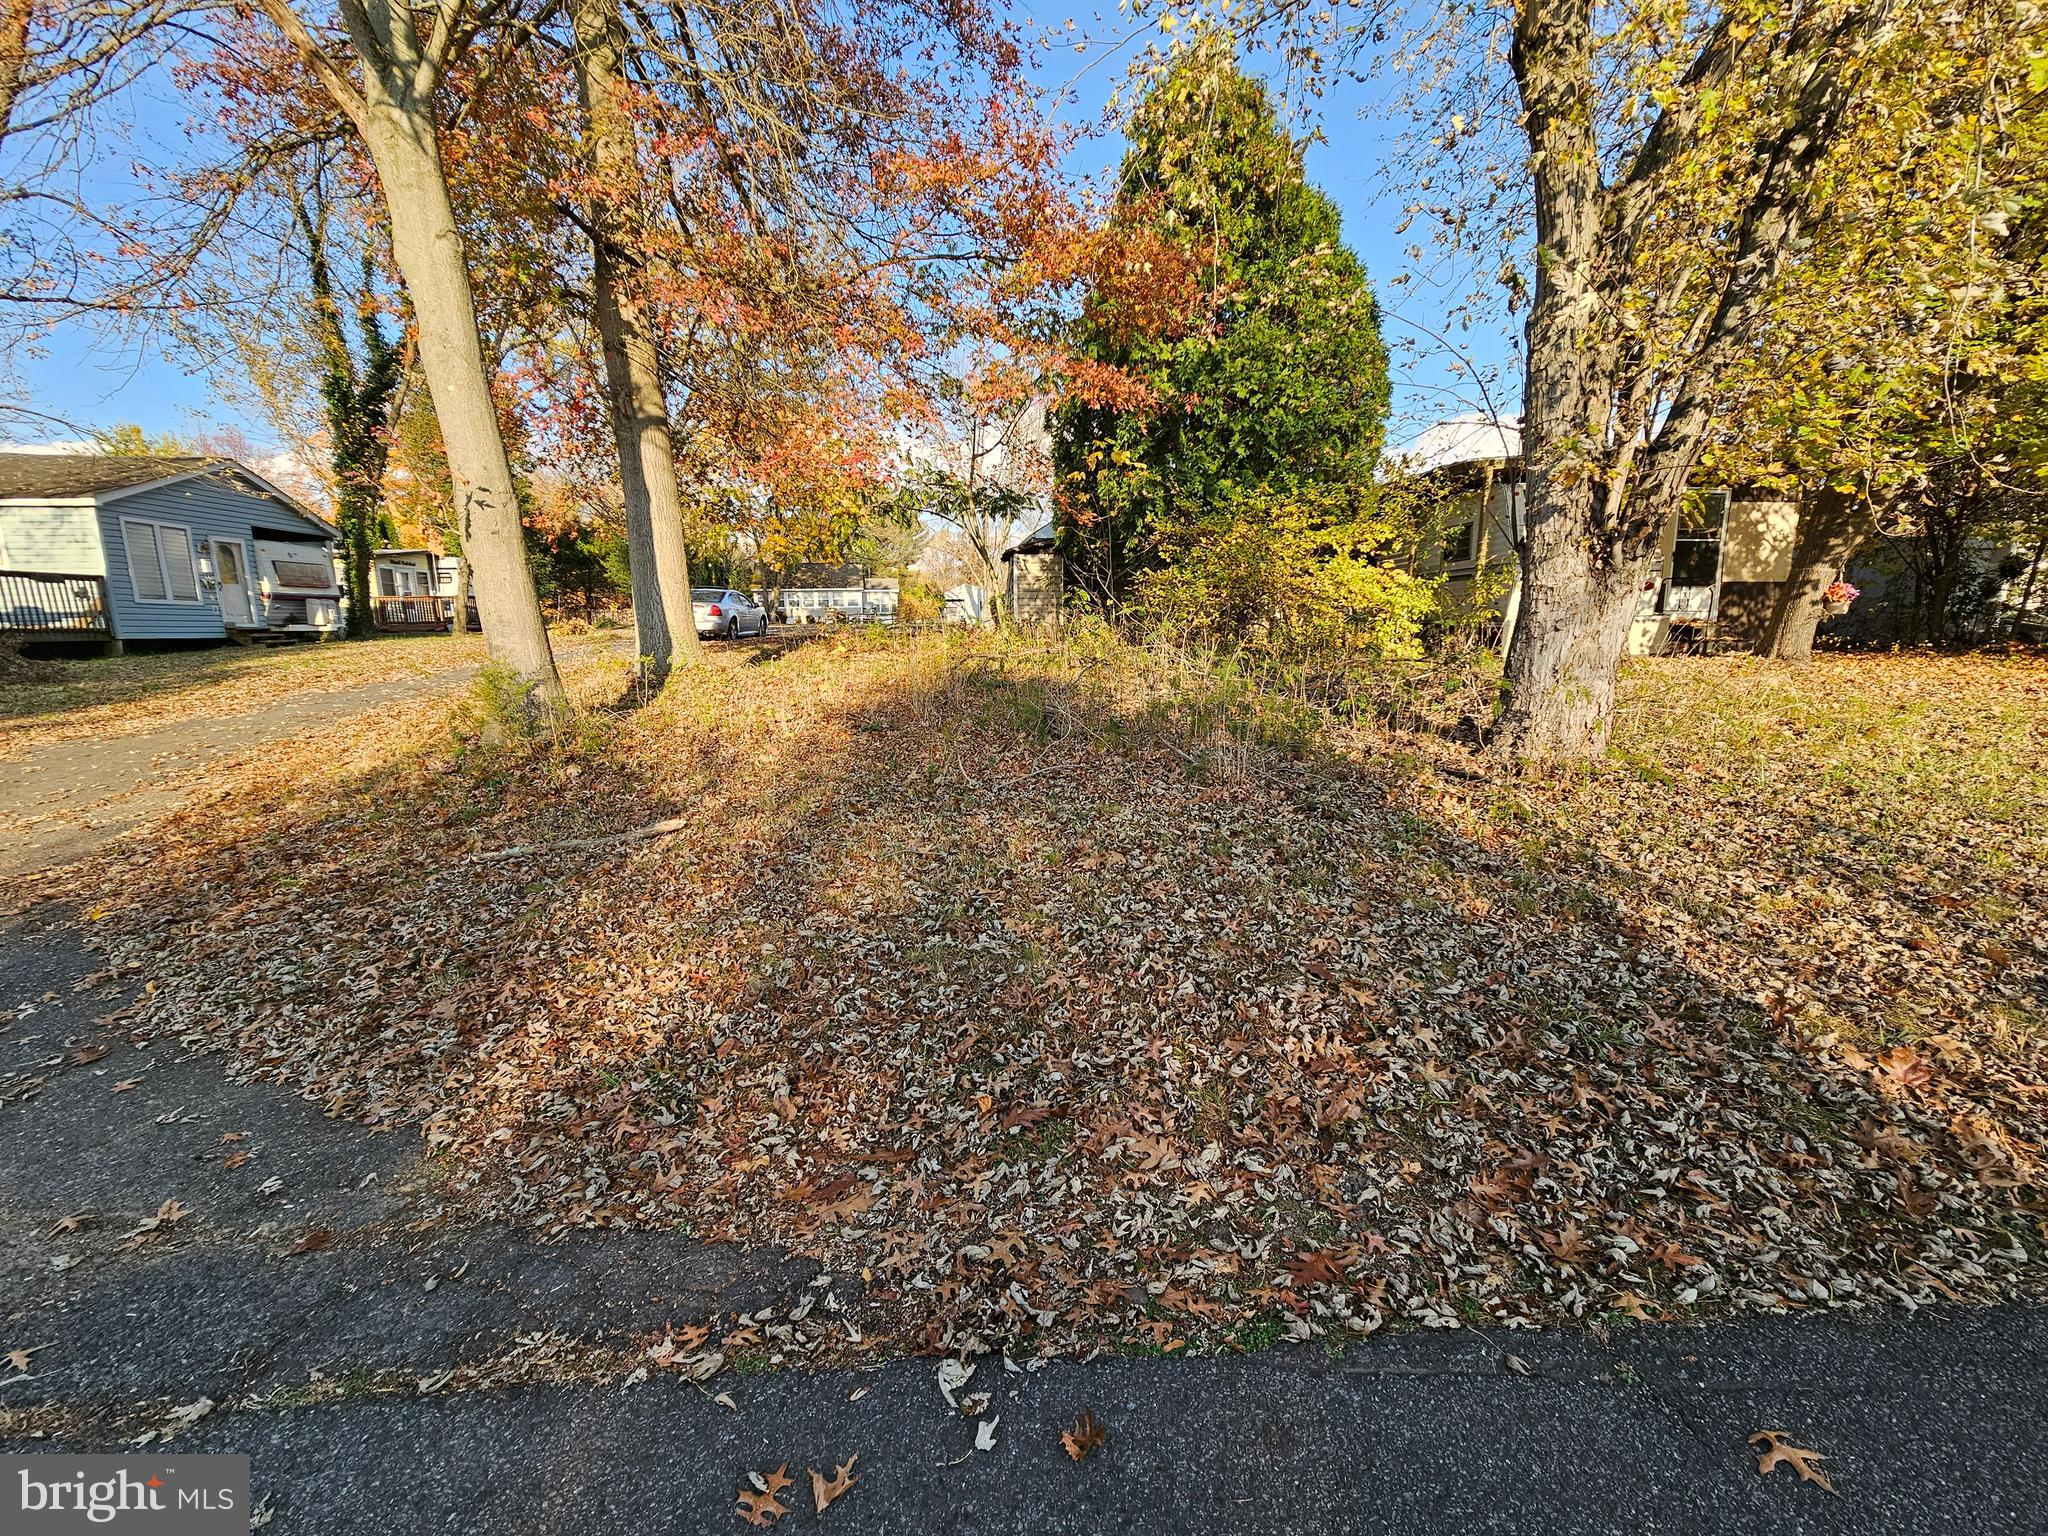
[1276, 381]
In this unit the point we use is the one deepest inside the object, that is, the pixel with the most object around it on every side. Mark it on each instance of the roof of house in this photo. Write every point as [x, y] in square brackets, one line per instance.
[1039, 539]
[1470, 439]
[24, 476]
[813, 575]
[73, 476]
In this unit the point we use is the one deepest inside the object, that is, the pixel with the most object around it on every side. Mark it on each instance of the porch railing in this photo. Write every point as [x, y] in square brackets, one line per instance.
[37, 603]
[417, 611]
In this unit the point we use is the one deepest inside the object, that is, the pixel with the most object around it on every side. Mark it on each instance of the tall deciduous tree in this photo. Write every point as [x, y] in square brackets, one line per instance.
[1921, 400]
[1254, 331]
[387, 91]
[1645, 182]
[1654, 266]
[632, 365]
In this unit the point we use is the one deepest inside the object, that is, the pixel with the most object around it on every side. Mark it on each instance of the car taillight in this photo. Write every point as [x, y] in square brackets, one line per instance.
[715, 610]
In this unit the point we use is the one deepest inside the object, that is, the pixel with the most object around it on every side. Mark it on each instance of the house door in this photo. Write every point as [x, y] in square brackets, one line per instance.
[232, 569]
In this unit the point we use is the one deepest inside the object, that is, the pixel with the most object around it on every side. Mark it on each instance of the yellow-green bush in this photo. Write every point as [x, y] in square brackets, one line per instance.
[1308, 571]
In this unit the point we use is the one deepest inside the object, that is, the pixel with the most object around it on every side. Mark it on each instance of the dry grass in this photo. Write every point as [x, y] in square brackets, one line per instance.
[125, 695]
[1075, 996]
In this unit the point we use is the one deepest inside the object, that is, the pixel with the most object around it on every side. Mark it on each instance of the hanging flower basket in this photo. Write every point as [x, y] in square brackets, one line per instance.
[1837, 598]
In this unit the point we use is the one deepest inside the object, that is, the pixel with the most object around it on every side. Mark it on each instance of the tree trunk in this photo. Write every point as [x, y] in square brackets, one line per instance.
[1946, 554]
[398, 129]
[458, 619]
[1833, 525]
[1564, 657]
[1580, 579]
[663, 616]
[14, 23]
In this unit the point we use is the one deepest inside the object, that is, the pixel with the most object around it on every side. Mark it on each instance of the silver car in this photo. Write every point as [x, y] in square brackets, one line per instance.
[724, 615]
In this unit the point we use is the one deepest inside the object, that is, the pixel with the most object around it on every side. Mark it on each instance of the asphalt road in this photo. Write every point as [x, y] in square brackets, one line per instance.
[1928, 1423]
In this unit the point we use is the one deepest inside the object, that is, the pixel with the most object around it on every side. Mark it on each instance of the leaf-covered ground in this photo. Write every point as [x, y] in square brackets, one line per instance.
[1010, 979]
[73, 699]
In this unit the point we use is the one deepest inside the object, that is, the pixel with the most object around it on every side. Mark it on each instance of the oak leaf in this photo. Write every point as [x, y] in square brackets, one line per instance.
[1777, 1452]
[1086, 1435]
[762, 1507]
[824, 1490]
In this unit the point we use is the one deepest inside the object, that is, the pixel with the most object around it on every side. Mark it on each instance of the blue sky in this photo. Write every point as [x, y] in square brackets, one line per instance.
[99, 384]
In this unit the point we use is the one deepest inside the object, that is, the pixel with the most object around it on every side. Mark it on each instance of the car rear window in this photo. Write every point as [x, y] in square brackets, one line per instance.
[705, 594]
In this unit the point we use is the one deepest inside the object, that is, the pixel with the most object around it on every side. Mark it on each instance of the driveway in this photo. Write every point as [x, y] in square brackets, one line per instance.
[65, 800]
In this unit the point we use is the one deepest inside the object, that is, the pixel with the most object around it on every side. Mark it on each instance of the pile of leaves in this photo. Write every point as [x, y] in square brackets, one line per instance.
[976, 970]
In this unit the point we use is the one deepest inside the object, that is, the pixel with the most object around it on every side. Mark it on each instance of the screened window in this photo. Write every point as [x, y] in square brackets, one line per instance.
[160, 562]
[302, 573]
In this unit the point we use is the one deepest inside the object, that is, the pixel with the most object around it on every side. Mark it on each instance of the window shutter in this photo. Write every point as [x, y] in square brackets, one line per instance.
[178, 571]
[145, 562]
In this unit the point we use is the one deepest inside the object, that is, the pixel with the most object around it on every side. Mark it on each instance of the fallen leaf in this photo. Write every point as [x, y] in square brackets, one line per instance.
[191, 1413]
[824, 1490]
[953, 1375]
[1777, 1452]
[18, 1356]
[87, 1053]
[985, 1433]
[312, 1240]
[1086, 1435]
[759, 1505]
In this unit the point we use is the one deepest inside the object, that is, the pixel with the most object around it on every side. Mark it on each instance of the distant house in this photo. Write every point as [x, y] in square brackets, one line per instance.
[967, 603]
[414, 589]
[1715, 571]
[814, 593]
[109, 549]
[1037, 577]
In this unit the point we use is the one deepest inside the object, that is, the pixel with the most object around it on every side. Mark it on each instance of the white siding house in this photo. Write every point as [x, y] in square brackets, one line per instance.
[1717, 561]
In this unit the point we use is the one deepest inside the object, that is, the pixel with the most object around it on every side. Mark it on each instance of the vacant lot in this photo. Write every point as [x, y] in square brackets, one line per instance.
[1024, 982]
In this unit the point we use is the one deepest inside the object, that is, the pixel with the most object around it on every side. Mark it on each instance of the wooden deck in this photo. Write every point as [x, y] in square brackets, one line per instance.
[40, 605]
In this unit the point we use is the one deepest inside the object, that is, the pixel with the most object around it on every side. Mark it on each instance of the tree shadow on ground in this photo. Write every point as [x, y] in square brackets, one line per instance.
[1068, 1008]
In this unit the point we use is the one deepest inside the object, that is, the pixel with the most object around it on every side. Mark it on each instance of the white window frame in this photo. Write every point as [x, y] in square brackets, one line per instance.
[163, 562]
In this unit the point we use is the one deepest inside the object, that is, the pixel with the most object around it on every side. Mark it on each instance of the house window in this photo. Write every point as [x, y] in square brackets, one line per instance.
[160, 567]
[1695, 576]
[302, 573]
[1462, 547]
[387, 581]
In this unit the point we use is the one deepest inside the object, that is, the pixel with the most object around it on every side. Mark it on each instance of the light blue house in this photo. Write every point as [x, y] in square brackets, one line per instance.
[111, 549]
